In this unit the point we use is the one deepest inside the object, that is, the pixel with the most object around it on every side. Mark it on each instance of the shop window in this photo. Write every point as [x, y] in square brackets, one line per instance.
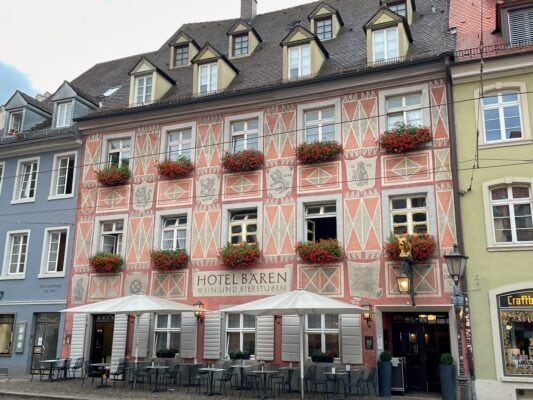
[7, 321]
[240, 333]
[321, 221]
[322, 332]
[167, 332]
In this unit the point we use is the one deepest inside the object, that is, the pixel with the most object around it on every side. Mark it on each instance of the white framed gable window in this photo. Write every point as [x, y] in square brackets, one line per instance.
[521, 26]
[240, 44]
[181, 55]
[64, 114]
[111, 236]
[143, 89]
[399, 8]
[207, 78]
[385, 44]
[119, 152]
[26, 181]
[409, 214]
[512, 219]
[240, 333]
[299, 61]
[324, 28]
[501, 117]
[244, 135]
[322, 334]
[174, 232]
[167, 331]
[15, 122]
[63, 176]
[16, 254]
[319, 124]
[54, 252]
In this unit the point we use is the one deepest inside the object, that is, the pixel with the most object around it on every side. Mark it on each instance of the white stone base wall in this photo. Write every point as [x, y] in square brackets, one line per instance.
[494, 390]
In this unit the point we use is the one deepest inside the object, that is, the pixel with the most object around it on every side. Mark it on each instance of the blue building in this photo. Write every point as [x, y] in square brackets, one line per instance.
[39, 157]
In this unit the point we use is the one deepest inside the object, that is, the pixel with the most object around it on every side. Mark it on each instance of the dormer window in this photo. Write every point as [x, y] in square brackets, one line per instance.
[299, 61]
[385, 44]
[64, 114]
[181, 55]
[324, 28]
[15, 123]
[240, 45]
[399, 8]
[521, 26]
[143, 89]
[207, 78]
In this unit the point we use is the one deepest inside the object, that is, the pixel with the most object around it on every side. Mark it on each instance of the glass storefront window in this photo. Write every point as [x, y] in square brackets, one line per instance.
[6, 332]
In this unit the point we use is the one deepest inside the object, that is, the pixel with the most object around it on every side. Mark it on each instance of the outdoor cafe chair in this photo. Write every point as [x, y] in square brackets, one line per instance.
[250, 382]
[77, 367]
[369, 382]
[227, 377]
[37, 368]
[91, 372]
[354, 386]
[197, 378]
[62, 368]
[119, 374]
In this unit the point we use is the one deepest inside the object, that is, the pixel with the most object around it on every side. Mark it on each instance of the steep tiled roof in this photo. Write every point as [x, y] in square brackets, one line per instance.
[264, 66]
[45, 105]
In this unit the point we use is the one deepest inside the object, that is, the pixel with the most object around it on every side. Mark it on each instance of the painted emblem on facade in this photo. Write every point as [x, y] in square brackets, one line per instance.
[361, 173]
[207, 188]
[279, 181]
[363, 279]
[136, 282]
[79, 289]
[143, 196]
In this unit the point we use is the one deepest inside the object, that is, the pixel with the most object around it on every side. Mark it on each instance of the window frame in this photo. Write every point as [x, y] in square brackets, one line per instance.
[12, 334]
[398, 4]
[161, 215]
[317, 20]
[304, 202]
[45, 254]
[506, 23]
[66, 121]
[300, 65]
[168, 330]
[385, 44]
[234, 38]
[228, 121]
[55, 176]
[98, 232]
[227, 209]
[209, 82]
[323, 331]
[245, 133]
[6, 275]
[320, 123]
[144, 78]
[241, 330]
[12, 115]
[165, 135]
[106, 146]
[384, 94]
[318, 105]
[19, 180]
[175, 54]
[409, 210]
[404, 109]
[243, 224]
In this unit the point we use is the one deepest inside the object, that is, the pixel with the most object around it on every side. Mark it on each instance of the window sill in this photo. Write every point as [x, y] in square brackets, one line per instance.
[12, 277]
[506, 143]
[48, 276]
[513, 247]
[15, 201]
[66, 196]
[526, 378]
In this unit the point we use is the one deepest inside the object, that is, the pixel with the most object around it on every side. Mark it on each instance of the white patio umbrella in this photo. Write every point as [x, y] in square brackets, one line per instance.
[298, 302]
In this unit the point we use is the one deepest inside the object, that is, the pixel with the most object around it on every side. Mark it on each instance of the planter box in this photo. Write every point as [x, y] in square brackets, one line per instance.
[447, 381]
[384, 378]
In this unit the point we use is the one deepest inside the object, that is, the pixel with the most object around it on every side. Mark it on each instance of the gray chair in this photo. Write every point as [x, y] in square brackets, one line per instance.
[76, 368]
[369, 382]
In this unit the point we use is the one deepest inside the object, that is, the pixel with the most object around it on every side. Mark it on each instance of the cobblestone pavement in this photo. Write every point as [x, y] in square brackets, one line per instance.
[20, 387]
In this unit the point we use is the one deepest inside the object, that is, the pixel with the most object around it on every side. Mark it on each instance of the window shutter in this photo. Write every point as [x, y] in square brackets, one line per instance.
[212, 331]
[290, 341]
[144, 335]
[79, 327]
[264, 338]
[351, 341]
[520, 26]
[120, 332]
[188, 335]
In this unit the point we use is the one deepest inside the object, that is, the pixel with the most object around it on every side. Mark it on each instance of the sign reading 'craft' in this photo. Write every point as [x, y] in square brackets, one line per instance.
[241, 283]
[518, 299]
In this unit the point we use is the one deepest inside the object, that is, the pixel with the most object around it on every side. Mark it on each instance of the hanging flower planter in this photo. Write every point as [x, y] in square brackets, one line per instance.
[325, 251]
[107, 263]
[423, 247]
[243, 161]
[318, 152]
[113, 175]
[240, 255]
[169, 260]
[404, 138]
[175, 169]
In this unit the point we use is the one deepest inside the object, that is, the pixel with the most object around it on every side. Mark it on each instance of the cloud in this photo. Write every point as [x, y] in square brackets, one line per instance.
[12, 79]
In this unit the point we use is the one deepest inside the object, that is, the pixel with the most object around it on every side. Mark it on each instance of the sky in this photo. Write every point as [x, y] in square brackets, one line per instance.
[46, 42]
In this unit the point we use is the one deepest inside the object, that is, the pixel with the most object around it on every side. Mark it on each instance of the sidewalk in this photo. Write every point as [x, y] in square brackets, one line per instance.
[20, 387]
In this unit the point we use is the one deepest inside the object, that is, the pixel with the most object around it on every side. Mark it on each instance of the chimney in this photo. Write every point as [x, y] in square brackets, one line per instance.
[248, 9]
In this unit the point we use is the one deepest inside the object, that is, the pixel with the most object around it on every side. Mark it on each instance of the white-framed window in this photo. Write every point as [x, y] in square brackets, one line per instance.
[54, 252]
[299, 61]
[409, 214]
[501, 117]
[240, 44]
[167, 331]
[511, 213]
[63, 176]
[399, 8]
[15, 122]
[111, 236]
[174, 232]
[64, 114]
[385, 44]
[322, 334]
[143, 89]
[179, 143]
[324, 28]
[26, 180]
[181, 55]
[321, 221]
[208, 78]
[244, 135]
[240, 333]
[16, 253]
[320, 124]
[2, 168]
[7, 325]
[243, 226]
[119, 152]
[404, 109]
[521, 26]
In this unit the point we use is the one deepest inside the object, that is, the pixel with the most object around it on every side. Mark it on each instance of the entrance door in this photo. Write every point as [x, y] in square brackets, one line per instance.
[45, 337]
[421, 338]
[102, 338]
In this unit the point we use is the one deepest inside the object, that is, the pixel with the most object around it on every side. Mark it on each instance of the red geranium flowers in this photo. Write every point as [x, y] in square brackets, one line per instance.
[403, 138]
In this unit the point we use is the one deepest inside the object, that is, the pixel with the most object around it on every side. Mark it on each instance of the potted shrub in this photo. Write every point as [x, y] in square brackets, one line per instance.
[113, 175]
[385, 373]
[243, 161]
[239, 355]
[240, 255]
[325, 251]
[404, 137]
[169, 260]
[322, 357]
[422, 247]
[173, 169]
[104, 262]
[166, 353]
[318, 152]
[447, 376]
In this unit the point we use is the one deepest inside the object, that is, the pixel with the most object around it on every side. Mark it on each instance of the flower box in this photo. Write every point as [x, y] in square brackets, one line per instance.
[169, 260]
[113, 175]
[323, 358]
[240, 255]
[175, 169]
[107, 263]
[243, 161]
[318, 152]
[423, 247]
[325, 251]
[404, 138]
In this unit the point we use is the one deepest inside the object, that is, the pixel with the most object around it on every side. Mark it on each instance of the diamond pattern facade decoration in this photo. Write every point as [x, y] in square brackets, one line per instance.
[425, 277]
[147, 150]
[113, 199]
[91, 158]
[445, 217]
[362, 226]
[321, 280]
[209, 143]
[84, 237]
[140, 240]
[174, 193]
[239, 186]
[361, 128]
[104, 287]
[279, 132]
[205, 234]
[318, 179]
[169, 285]
[279, 229]
[407, 169]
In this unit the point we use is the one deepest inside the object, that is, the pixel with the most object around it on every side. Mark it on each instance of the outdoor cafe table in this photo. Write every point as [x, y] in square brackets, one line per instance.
[337, 376]
[264, 373]
[241, 369]
[211, 379]
[102, 367]
[50, 368]
[157, 368]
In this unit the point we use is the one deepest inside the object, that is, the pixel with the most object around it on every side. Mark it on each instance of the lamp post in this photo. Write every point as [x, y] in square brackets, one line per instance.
[456, 263]
[406, 282]
[367, 313]
[199, 313]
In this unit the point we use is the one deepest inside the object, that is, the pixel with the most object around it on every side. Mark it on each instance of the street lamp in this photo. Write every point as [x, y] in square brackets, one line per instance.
[405, 281]
[367, 313]
[456, 263]
[199, 313]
